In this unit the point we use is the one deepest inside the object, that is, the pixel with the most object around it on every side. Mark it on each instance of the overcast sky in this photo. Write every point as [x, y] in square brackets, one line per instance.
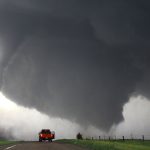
[80, 61]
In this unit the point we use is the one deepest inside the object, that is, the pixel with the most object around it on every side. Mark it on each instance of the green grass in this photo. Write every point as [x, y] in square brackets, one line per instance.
[110, 145]
[5, 142]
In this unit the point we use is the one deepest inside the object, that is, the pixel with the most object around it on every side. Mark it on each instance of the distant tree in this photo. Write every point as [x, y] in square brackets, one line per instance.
[79, 136]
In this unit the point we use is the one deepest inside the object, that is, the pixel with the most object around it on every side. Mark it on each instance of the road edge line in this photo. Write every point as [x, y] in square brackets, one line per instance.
[10, 147]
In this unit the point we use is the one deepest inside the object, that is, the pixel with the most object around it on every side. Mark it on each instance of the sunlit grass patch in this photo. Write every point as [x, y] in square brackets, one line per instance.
[110, 145]
[5, 142]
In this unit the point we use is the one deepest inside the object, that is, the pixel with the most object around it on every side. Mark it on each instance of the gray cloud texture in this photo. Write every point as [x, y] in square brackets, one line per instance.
[79, 60]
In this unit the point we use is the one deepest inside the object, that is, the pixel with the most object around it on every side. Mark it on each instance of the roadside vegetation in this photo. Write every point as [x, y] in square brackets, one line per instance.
[110, 145]
[5, 142]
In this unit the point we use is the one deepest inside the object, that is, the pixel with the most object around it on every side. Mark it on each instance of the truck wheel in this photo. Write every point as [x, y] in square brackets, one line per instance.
[40, 140]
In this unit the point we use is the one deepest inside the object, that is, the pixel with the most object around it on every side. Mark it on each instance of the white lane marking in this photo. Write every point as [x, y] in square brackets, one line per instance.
[10, 147]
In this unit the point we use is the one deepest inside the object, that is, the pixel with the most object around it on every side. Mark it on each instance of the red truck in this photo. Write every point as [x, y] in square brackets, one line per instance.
[46, 134]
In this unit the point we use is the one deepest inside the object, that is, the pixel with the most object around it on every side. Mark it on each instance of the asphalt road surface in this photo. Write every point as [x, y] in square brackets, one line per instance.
[43, 146]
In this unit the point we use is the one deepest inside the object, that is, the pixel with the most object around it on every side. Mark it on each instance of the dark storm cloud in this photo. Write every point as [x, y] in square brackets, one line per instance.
[79, 60]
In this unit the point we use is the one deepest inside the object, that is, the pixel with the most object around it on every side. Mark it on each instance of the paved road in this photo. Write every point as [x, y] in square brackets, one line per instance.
[43, 146]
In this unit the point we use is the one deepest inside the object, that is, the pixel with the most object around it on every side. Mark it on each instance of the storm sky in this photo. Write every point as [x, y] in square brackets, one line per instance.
[79, 60]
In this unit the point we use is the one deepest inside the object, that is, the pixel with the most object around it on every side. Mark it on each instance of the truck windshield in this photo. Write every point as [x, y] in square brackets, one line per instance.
[46, 131]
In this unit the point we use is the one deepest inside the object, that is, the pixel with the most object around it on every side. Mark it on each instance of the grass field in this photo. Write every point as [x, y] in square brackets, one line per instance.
[110, 145]
[5, 142]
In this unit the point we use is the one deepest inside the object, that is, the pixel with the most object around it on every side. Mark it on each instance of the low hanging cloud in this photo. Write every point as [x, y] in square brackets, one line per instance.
[29, 122]
[79, 61]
